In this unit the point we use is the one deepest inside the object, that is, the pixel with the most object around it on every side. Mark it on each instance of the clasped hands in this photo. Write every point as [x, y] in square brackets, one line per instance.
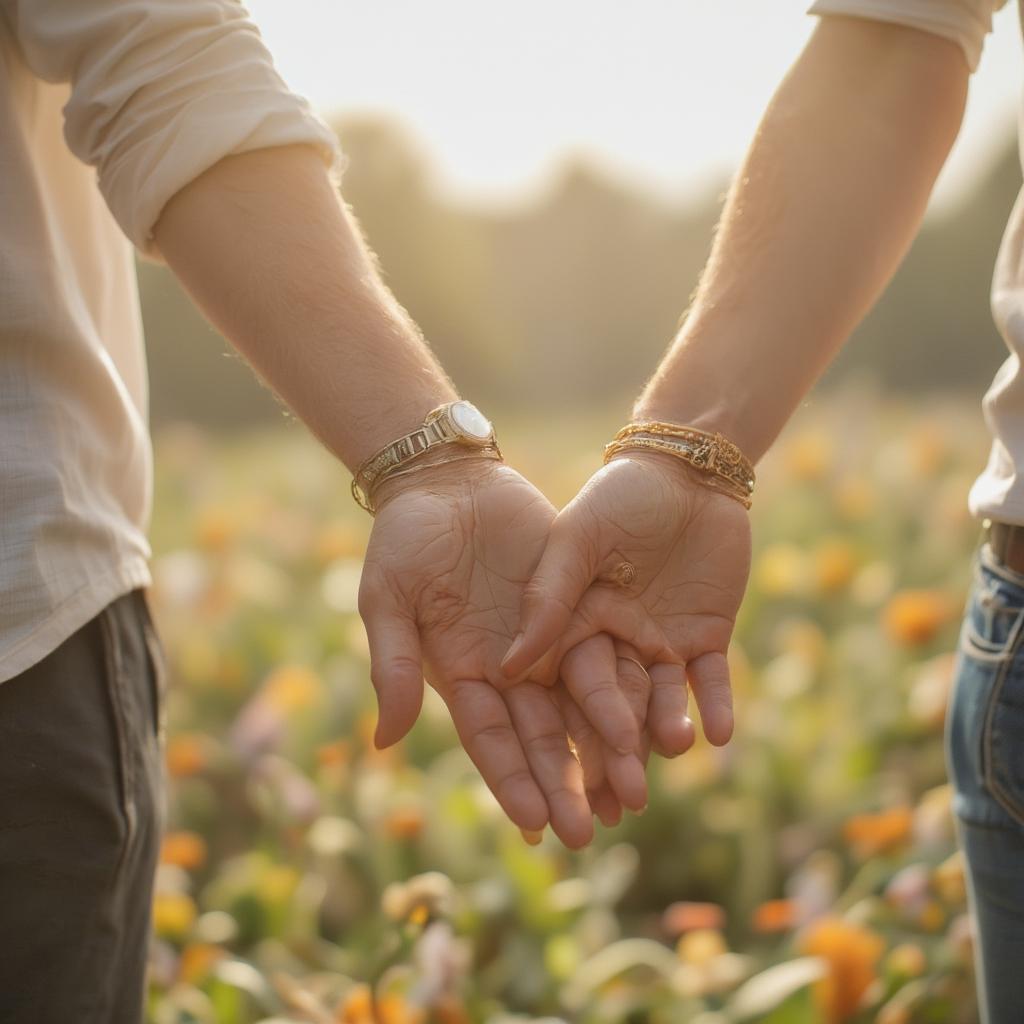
[512, 612]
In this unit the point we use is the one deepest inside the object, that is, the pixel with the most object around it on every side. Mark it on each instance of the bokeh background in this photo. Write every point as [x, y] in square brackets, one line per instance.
[541, 184]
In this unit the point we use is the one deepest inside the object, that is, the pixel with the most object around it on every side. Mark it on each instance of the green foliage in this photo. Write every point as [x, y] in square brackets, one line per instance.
[309, 877]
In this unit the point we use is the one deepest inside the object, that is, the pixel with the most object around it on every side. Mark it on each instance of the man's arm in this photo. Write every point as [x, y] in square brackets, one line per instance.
[269, 253]
[827, 201]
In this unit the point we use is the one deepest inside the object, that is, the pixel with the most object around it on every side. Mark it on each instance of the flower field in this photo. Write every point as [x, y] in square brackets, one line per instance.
[805, 873]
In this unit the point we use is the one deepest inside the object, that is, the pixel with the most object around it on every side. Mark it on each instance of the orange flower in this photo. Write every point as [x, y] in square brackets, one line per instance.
[834, 565]
[216, 529]
[197, 960]
[775, 916]
[687, 917]
[337, 753]
[872, 834]
[404, 822]
[914, 617]
[855, 498]
[186, 754]
[450, 1011]
[852, 954]
[183, 849]
[339, 540]
[358, 1007]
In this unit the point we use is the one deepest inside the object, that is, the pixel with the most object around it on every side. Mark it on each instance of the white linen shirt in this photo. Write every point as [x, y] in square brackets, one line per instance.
[999, 492]
[107, 109]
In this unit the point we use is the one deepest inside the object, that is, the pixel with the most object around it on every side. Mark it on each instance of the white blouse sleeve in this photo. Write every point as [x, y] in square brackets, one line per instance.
[965, 22]
[161, 90]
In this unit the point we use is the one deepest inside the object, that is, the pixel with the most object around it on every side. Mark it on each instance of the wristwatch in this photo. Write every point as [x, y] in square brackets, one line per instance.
[455, 423]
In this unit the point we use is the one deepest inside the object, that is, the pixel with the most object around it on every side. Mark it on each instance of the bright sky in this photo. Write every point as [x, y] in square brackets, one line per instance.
[667, 91]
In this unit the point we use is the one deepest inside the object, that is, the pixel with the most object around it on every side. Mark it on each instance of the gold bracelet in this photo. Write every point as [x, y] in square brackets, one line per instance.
[458, 426]
[458, 455]
[724, 467]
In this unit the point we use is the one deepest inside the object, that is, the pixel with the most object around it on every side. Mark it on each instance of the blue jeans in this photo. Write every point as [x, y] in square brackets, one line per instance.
[985, 746]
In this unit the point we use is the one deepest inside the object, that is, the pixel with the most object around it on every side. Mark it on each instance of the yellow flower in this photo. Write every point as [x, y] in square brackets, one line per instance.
[809, 456]
[184, 850]
[948, 879]
[932, 918]
[292, 688]
[173, 914]
[701, 947]
[277, 883]
[782, 571]
[907, 961]
[852, 953]
[855, 498]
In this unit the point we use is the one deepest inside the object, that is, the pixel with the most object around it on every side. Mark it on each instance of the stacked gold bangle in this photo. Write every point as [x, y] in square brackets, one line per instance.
[724, 467]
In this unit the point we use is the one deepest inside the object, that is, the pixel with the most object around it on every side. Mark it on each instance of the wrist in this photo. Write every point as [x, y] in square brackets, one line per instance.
[437, 473]
[678, 475]
[720, 464]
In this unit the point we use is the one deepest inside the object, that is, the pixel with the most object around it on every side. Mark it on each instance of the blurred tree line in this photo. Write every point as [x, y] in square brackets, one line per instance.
[569, 300]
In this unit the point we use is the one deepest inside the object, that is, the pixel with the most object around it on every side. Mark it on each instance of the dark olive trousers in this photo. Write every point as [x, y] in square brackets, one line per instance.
[81, 813]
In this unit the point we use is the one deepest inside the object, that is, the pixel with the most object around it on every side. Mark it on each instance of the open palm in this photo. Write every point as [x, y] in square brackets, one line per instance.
[440, 596]
[690, 547]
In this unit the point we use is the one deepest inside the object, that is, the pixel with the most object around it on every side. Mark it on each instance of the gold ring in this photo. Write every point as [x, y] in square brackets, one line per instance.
[621, 576]
[626, 657]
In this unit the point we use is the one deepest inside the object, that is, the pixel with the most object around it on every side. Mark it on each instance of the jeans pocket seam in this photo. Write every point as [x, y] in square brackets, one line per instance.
[1010, 804]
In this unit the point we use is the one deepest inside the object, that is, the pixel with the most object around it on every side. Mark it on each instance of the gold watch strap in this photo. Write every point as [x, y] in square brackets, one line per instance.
[390, 460]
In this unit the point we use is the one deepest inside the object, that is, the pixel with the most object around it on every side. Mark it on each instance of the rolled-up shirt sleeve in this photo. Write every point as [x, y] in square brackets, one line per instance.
[161, 90]
[965, 22]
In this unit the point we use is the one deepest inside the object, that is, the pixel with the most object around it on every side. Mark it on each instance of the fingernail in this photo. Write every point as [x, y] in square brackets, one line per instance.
[517, 643]
[642, 811]
[532, 837]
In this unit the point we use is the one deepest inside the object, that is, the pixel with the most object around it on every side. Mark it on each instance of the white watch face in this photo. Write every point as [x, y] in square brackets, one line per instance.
[471, 421]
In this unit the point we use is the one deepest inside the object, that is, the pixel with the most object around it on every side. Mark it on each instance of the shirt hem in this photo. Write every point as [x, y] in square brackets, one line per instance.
[71, 615]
